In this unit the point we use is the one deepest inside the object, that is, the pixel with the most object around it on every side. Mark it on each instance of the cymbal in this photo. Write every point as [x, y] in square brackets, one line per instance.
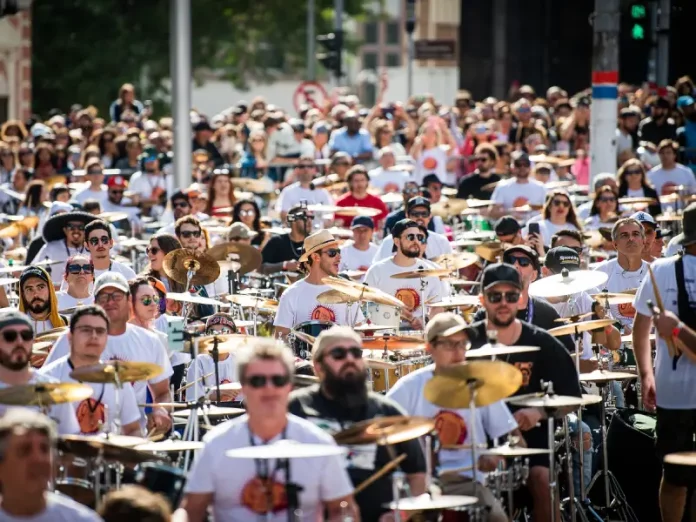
[378, 363]
[605, 376]
[178, 262]
[12, 231]
[248, 301]
[325, 181]
[302, 381]
[670, 218]
[230, 386]
[572, 319]
[527, 208]
[247, 256]
[357, 211]
[494, 380]
[490, 250]
[588, 399]
[481, 235]
[682, 458]
[92, 446]
[457, 301]
[392, 197]
[132, 242]
[374, 327]
[45, 394]
[309, 339]
[512, 451]
[210, 411]
[549, 402]
[460, 282]
[354, 274]
[465, 243]
[226, 342]
[421, 273]
[392, 342]
[187, 297]
[171, 445]
[449, 208]
[496, 350]
[41, 347]
[478, 203]
[45, 262]
[582, 326]
[637, 202]
[613, 298]
[490, 187]
[113, 217]
[257, 186]
[426, 503]
[360, 292]
[575, 282]
[125, 370]
[385, 431]
[51, 335]
[456, 260]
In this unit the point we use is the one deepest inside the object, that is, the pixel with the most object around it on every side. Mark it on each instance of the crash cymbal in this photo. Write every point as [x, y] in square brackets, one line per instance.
[113, 371]
[573, 319]
[629, 338]
[326, 181]
[385, 431]
[44, 394]
[210, 411]
[605, 376]
[378, 363]
[256, 186]
[374, 327]
[567, 284]
[551, 185]
[177, 264]
[249, 301]
[422, 272]
[354, 274]
[8, 281]
[286, 449]
[45, 262]
[460, 282]
[113, 217]
[247, 256]
[527, 208]
[478, 203]
[392, 342]
[427, 503]
[448, 208]
[492, 381]
[392, 198]
[588, 399]
[327, 209]
[637, 202]
[682, 458]
[168, 404]
[480, 235]
[548, 402]
[582, 326]
[92, 446]
[613, 298]
[226, 342]
[496, 350]
[360, 292]
[457, 301]
[490, 250]
[171, 445]
[465, 243]
[187, 297]
[303, 381]
[51, 335]
[456, 260]
[512, 451]
[12, 231]
[670, 218]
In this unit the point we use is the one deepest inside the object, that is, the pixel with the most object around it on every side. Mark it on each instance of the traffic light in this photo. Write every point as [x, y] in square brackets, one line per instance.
[331, 58]
[635, 42]
[639, 21]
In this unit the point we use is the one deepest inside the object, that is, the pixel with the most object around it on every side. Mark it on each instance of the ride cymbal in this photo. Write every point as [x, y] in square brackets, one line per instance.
[385, 431]
[605, 376]
[360, 292]
[456, 260]
[582, 326]
[117, 371]
[248, 257]
[177, 264]
[570, 283]
[449, 208]
[45, 394]
[249, 301]
[226, 342]
[392, 342]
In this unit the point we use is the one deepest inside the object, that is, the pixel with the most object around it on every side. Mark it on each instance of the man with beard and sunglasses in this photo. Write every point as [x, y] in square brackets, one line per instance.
[342, 399]
[658, 126]
[501, 293]
[517, 191]
[255, 489]
[99, 242]
[38, 300]
[78, 277]
[16, 340]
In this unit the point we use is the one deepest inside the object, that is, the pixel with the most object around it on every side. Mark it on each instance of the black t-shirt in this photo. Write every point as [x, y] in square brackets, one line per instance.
[281, 248]
[470, 186]
[311, 404]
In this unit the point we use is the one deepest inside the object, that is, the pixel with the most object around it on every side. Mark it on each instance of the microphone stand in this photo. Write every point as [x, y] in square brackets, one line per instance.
[216, 360]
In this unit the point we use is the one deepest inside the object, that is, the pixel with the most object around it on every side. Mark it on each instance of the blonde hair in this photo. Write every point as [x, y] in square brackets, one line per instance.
[259, 349]
[333, 334]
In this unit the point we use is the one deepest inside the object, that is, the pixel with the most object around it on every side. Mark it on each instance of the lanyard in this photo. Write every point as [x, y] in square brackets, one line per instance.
[530, 310]
[89, 401]
[67, 249]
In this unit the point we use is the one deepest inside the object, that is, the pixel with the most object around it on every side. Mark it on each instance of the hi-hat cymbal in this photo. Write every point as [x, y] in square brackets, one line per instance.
[44, 394]
[496, 350]
[561, 285]
[210, 411]
[512, 451]
[360, 292]
[125, 371]
[286, 449]
[456, 261]
[548, 402]
[247, 256]
[422, 273]
[490, 250]
[392, 342]
[51, 335]
[187, 297]
[385, 431]
[41, 347]
[582, 326]
[427, 503]
[605, 376]
[92, 446]
[457, 301]
[113, 217]
[226, 342]
[682, 458]
[449, 208]
[613, 298]
[257, 186]
[171, 445]
[492, 381]
[177, 264]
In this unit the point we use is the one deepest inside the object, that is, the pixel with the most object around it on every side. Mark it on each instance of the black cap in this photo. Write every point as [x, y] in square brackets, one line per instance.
[402, 225]
[202, 125]
[418, 201]
[507, 226]
[498, 273]
[562, 257]
[430, 178]
[362, 221]
[526, 250]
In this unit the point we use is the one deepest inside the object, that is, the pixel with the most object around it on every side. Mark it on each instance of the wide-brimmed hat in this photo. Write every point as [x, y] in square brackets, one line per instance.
[689, 225]
[53, 228]
[316, 242]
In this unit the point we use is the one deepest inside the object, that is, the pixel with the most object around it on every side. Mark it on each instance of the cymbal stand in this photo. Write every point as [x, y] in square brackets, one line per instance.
[551, 435]
[473, 386]
[579, 348]
[192, 268]
[423, 286]
[215, 353]
[191, 433]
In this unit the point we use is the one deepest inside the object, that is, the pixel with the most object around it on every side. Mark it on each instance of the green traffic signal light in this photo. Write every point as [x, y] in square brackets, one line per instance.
[638, 32]
[638, 11]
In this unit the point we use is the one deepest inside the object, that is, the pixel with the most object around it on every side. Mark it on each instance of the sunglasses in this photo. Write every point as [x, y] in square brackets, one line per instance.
[419, 214]
[521, 164]
[94, 172]
[260, 381]
[305, 165]
[331, 252]
[77, 268]
[181, 204]
[560, 203]
[634, 172]
[341, 352]
[116, 192]
[94, 241]
[607, 200]
[247, 213]
[190, 233]
[341, 164]
[73, 226]
[152, 250]
[10, 336]
[496, 297]
[147, 300]
[414, 237]
[411, 191]
[524, 110]
[524, 262]
[104, 298]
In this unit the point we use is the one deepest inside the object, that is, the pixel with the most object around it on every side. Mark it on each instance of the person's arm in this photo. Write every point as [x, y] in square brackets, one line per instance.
[159, 418]
[132, 429]
[667, 324]
[281, 332]
[195, 506]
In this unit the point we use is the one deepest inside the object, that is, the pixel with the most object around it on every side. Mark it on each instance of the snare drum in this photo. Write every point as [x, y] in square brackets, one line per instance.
[473, 513]
[166, 480]
[313, 328]
[384, 315]
[75, 479]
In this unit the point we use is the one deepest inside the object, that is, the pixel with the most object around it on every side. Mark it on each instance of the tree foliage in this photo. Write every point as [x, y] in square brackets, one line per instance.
[84, 50]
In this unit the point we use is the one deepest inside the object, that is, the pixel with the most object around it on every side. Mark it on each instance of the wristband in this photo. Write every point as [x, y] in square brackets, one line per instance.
[677, 330]
[285, 265]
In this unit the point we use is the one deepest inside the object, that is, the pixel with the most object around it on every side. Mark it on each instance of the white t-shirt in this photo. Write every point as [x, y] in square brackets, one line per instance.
[299, 304]
[663, 179]
[237, 494]
[101, 406]
[509, 193]
[144, 184]
[66, 301]
[100, 195]
[436, 246]
[119, 268]
[227, 370]
[453, 425]
[548, 229]
[406, 290]
[434, 161]
[675, 387]
[620, 280]
[673, 247]
[176, 358]
[353, 259]
[62, 414]
[388, 180]
[59, 508]
[595, 223]
[295, 194]
[583, 305]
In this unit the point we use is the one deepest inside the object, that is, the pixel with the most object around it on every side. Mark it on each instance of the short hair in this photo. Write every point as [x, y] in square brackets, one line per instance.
[97, 224]
[190, 220]
[136, 283]
[135, 504]
[626, 221]
[264, 350]
[600, 180]
[567, 232]
[90, 205]
[18, 421]
[93, 310]
[333, 334]
[668, 144]
[357, 169]
[487, 148]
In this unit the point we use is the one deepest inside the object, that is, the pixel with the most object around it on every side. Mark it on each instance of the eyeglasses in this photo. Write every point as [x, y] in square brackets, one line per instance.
[607, 200]
[524, 262]
[411, 191]
[419, 214]
[190, 233]
[10, 336]
[147, 300]
[521, 164]
[524, 110]
[633, 172]
[99, 331]
[341, 352]
[305, 165]
[94, 241]
[77, 268]
[560, 203]
[75, 226]
[247, 213]
[414, 237]
[104, 298]
[331, 252]
[116, 192]
[181, 204]
[152, 250]
[260, 381]
[496, 297]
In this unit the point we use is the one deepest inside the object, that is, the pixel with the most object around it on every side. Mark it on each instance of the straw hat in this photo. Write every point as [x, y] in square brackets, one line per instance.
[316, 242]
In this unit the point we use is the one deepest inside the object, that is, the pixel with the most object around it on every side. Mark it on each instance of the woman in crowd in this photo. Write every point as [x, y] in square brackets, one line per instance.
[253, 163]
[633, 183]
[34, 198]
[130, 161]
[159, 247]
[106, 141]
[44, 161]
[558, 214]
[432, 149]
[76, 289]
[126, 102]
[603, 213]
[8, 162]
[220, 195]
[247, 211]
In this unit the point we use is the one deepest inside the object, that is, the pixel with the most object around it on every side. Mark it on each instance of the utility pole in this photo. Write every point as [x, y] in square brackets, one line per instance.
[181, 82]
[311, 44]
[410, 28]
[663, 27]
[338, 31]
[605, 78]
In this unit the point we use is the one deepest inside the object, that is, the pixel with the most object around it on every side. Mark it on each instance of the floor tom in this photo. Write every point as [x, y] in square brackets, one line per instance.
[313, 328]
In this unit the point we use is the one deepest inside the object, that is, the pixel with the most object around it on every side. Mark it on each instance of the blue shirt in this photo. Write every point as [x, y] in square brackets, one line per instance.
[352, 145]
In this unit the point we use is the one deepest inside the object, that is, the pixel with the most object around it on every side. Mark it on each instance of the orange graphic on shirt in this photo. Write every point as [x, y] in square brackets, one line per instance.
[409, 297]
[430, 163]
[526, 369]
[668, 188]
[321, 313]
[520, 201]
[627, 310]
[90, 415]
[391, 187]
[255, 496]
[157, 192]
[451, 428]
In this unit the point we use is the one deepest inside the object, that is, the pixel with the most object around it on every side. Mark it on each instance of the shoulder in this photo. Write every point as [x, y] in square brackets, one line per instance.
[653, 170]
[138, 332]
[385, 404]
[228, 430]
[42, 377]
[63, 504]
[663, 264]
[605, 266]
[304, 431]
[54, 368]
[346, 198]
[419, 376]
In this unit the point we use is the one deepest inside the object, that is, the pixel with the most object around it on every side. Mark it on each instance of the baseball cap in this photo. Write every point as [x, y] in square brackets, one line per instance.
[562, 257]
[418, 201]
[444, 325]
[430, 178]
[111, 280]
[402, 225]
[684, 101]
[116, 181]
[526, 250]
[507, 226]
[362, 221]
[500, 273]
[644, 217]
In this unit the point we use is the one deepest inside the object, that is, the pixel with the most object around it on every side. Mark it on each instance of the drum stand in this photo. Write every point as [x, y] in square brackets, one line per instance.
[191, 433]
[215, 353]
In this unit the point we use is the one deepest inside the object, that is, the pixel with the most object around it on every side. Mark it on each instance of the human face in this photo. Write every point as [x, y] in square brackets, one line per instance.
[95, 176]
[146, 312]
[116, 195]
[634, 177]
[341, 167]
[352, 124]
[305, 171]
[27, 466]
[411, 190]
[82, 278]
[115, 304]
[435, 190]
[328, 264]
[16, 352]
[450, 350]
[420, 215]
[63, 197]
[657, 247]
[521, 169]
[560, 206]
[181, 208]
[514, 239]
[36, 294]
[606, 202]
[502, 313]
[387, 160]
[630, 240]
[359, 183]
[247, 215]
[88, 340]
[155, 254]
[362, 236]
[269, 401]
[75, 233]
[542, 175]
[410, 241]
[341, 363]
[99, 244]
[650, 233]
[528, 273]
[667, 156]
[190, 236]
[222, 185]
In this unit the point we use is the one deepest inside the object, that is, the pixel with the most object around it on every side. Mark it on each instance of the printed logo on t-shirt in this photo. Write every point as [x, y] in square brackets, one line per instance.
[668, 188]
[520, 201]
[391, 187]
[451, 428]
[626, 310]
[322, 313]
[90, 416]
[526, 369]
[409, 297]
[256, 497]
[430, 163]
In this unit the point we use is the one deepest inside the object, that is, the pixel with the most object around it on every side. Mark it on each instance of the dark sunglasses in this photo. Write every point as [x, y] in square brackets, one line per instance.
[10, 336]
[152, 250]
[94, 241]
[521, 164]
[331, 252]
[341, 352]
[181, 204]
[607, 200]
[634, 172]
[524, 262]
[94, 172]
[305, 165]
[73, 226]
[560, 203]
[496, 297]
[411, 191]
[419, 214]
[75, 268]
[260, 381]
[414, 237]
[190, 233]
[115, 192]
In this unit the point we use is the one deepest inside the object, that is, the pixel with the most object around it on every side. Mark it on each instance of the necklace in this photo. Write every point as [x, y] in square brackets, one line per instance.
[296, 252]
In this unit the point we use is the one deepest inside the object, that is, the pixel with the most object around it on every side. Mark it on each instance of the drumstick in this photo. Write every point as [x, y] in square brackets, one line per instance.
[383, 471]
[187, 386]
[673, 351]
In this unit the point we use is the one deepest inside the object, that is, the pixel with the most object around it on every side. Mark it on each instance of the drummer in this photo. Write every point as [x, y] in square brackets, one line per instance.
[283, 251]
[89, 327]
[78, 278]
[190, 234]
[37, 299]
[343, 399]
[299, 302]
[447, 343]
[508, 230]
[99, 242]
[359, 253]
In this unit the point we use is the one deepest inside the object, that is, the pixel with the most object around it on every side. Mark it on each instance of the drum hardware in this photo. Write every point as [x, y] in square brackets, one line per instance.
[385, 431]
[449, 208]
[391, 465]
[304, 336]
[456, 261]
[613, 298]
[496, 350]
[358, 292]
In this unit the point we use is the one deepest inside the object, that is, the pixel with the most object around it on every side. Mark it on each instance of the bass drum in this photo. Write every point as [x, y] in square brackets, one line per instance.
[313, 328]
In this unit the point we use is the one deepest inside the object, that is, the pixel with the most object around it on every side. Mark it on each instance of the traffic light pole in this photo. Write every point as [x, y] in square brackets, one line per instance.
[663, 27]
[311, 44]
[338, 31]
[410, 28]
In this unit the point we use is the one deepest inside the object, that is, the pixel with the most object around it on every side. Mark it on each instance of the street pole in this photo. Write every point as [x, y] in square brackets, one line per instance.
[605, 78]
[338, 31]
[410, 28]
[181, 83]
[664, 22]
[311, 41]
